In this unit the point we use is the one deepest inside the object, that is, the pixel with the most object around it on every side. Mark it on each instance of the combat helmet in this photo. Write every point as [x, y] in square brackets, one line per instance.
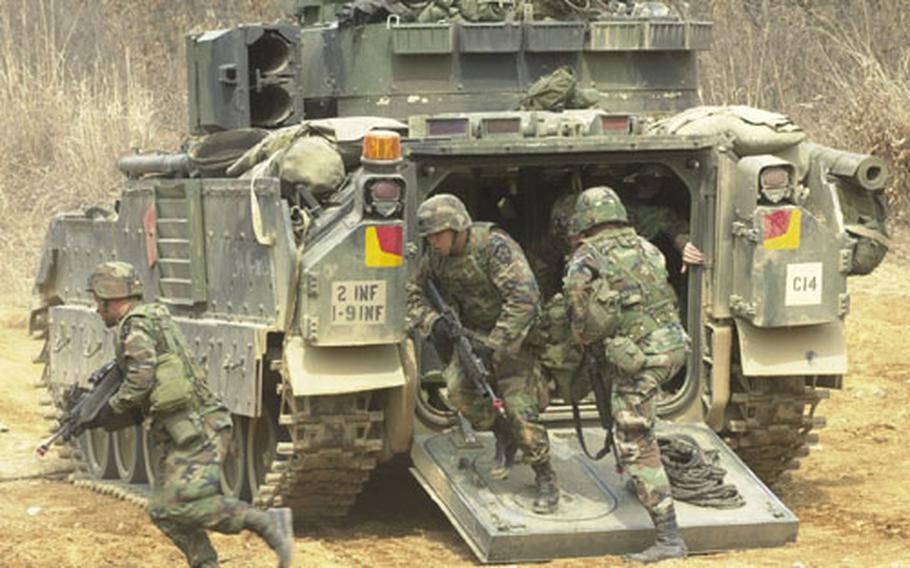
[114, 280]
[561, 215]
[597, 205]
[441, 212]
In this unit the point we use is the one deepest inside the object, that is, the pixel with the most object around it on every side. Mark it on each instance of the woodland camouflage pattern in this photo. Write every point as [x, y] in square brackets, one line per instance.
[547, 255]
[594, 206]
[442, 212]
[652, 220]
[635, 268]
[186, 496]
[561, 354]
[112, 280]
[491, 287]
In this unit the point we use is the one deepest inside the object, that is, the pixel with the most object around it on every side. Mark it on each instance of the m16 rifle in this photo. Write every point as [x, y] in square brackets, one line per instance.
[602, 386]
[81, 406]
[472, 363]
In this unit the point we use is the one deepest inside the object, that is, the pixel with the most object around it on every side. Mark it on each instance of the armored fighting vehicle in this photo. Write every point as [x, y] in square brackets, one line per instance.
[292, 295]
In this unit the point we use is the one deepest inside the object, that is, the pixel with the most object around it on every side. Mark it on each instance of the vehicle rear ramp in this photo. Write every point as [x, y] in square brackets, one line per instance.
[598, 515]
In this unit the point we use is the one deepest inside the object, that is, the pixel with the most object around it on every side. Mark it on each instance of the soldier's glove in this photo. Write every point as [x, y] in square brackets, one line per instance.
[440, 339]
[485, 352]
[111, 421]
[104, 416]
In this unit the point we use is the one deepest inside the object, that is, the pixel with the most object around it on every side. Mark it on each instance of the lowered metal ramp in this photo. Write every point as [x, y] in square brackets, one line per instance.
[597, 514]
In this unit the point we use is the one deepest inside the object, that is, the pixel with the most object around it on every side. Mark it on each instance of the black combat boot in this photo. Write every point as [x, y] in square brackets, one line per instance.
[547, 490]
[276, 528]
[506, 448]
[669, 542]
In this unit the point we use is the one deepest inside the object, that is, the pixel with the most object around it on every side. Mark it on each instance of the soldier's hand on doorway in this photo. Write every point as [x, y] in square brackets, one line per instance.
[691, 255]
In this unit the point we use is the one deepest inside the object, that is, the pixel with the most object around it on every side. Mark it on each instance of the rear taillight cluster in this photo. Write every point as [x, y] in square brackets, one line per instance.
[381, 156]
[384, 197]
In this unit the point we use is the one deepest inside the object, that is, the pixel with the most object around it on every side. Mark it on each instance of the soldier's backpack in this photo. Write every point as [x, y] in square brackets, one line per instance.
[550, 92]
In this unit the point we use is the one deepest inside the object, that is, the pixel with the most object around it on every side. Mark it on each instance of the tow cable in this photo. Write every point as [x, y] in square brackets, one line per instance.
[695, 474]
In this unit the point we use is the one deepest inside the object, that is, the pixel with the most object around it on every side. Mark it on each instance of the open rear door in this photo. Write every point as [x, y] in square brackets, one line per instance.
[597, 514]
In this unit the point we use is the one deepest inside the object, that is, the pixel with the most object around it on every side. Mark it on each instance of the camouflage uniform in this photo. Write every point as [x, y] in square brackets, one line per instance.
[641, 336]
[490, 285]
[188, 430]
[493, 290]
[651, 221]
[560, 355]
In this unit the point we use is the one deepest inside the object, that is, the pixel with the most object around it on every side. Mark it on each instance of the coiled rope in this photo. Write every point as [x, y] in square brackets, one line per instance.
[695, 474]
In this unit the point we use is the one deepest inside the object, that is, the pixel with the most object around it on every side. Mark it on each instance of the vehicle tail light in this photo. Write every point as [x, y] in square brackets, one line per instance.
[381, 146]
[616, 123]
[447, 127]
[775, 183]
[496, 126]
[384, 197]
[775, 177]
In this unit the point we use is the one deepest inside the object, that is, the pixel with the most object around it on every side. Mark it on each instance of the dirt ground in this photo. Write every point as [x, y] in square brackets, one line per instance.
[851, 494]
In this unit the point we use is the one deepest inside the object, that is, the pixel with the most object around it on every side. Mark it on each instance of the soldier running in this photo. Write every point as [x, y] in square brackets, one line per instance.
[188, 427]
[620, 304]
[482, 272]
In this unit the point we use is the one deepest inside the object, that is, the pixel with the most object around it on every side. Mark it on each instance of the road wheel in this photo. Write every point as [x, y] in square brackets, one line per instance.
[99, 458]
[233, 469]
[129, 454]
[261, 446]
[149, 457]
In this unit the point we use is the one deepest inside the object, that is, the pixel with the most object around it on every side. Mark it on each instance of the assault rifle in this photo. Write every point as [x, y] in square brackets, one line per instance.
[602, 385]
[81, 406]
[473, 365]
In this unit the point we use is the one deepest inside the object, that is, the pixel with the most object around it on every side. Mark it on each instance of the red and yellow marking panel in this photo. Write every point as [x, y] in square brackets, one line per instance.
[383, 246]
[782, 229]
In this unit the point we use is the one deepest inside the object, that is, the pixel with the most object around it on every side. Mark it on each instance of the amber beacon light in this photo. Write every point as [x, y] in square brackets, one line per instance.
[381, 146]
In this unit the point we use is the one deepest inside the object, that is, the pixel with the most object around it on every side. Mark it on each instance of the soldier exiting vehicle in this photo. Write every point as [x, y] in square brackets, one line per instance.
[188, 427]
[560, 355]
[484, 275]
[652, 218]
[622, 307]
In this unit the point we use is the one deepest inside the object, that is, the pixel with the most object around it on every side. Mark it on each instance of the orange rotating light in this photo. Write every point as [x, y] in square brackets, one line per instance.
[381, 146]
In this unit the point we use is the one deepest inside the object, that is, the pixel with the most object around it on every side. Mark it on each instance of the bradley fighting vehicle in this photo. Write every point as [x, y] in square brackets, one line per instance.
[294, 301]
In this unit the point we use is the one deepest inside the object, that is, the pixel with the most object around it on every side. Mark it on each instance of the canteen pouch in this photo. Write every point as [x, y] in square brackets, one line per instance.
[183, 427]
[174, 387]
[625, 355]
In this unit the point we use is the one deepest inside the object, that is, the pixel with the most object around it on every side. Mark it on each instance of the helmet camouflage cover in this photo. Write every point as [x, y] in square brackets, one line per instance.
[114, 280]
[597, 205]
[441, 212]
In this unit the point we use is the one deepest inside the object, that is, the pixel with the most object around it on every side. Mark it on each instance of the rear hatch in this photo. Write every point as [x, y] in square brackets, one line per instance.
[598, 515]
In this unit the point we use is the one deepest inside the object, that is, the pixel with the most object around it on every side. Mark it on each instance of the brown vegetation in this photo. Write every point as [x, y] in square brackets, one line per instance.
[82, 83]
[841, 70]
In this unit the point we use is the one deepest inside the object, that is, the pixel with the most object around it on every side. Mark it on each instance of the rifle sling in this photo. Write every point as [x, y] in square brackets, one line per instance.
[608, 437]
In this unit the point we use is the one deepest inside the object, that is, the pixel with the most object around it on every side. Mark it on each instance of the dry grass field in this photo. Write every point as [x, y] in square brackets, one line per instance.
[83, 83]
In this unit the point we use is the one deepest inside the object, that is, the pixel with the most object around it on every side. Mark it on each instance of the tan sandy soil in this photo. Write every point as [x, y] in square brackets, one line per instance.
[852, 493]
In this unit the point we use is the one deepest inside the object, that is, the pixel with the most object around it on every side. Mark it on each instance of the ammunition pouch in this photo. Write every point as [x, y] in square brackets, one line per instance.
[601, 316]
[638, 323]
[625, 355]
[174, 386]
